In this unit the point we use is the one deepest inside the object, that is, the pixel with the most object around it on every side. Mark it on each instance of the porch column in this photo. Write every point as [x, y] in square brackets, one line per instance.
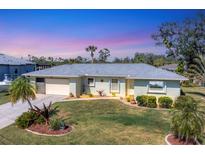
[122, 87]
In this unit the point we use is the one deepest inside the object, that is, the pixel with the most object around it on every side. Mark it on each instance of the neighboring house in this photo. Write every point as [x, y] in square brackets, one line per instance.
[12, 67]
[169, 67]
[42, 66]
[121, 79]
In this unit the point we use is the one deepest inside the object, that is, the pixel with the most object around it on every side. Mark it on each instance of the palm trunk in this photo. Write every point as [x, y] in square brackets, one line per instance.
[92, 57]
[29, 103]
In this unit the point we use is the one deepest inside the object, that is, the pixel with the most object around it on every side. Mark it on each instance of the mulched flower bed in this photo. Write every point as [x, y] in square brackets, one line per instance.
[44, 129]
[175, 141]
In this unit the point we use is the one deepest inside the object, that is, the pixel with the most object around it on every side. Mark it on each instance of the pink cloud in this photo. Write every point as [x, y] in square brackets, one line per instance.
[70, 47]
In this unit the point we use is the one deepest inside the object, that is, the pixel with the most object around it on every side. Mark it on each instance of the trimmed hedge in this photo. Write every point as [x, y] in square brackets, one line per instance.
[142, 100]
[152, 102]
[165, 102]
[147, 101]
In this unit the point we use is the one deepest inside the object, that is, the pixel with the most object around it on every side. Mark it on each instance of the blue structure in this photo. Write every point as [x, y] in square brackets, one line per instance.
[12, 67]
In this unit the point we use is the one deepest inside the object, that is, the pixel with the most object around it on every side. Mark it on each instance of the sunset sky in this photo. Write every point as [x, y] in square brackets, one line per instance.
[66, 33]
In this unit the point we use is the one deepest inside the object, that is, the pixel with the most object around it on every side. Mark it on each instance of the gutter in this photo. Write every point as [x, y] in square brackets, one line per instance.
[51, 76]
[87, 75]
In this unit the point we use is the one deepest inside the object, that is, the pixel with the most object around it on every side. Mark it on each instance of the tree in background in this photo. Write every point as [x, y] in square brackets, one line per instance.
[56, 61]
[117, 60]
[91, 49]
[148, 58]
[180, 67]
[103, 55]
[184, 41]
[160, 61]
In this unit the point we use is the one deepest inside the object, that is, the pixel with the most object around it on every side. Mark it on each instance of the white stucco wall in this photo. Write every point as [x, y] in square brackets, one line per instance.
[75, 86]
[172, 89]
[105, 86]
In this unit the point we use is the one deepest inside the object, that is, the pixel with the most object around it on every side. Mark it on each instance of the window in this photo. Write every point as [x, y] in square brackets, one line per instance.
[91, 82]
[101, 80]
[115, 85]
[40, 80]
[157, 87]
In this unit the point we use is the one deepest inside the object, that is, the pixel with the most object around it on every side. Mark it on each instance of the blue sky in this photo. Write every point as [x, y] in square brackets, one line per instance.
[66, 33]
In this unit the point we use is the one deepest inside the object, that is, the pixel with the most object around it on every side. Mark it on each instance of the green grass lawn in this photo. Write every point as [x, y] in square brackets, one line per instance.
[4, 97]
[198, 93]
[99, 122]
[104, 122]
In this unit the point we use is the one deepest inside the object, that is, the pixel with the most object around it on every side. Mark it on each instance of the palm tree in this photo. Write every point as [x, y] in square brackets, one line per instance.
[22, 89]
[197, 67]
[91, 49]
[187, 122]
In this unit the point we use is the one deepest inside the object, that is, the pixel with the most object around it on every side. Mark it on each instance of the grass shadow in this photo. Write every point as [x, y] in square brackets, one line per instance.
[196, 93]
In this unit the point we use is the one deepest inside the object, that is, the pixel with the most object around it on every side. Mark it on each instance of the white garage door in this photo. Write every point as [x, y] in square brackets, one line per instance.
[57, 86]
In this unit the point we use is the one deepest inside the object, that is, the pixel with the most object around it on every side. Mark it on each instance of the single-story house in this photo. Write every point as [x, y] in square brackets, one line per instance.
[11, 67]
[121, 79]
[169, 67]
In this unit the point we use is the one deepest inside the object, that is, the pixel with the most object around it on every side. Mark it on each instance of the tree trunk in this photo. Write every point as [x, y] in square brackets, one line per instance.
[29, 103]
[92, 56]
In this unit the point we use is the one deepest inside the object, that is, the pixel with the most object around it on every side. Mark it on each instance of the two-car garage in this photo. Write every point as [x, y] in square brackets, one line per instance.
[57, 86]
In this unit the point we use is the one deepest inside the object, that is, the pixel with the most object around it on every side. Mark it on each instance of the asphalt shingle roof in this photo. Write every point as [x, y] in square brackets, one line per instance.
[135, 71]
[9, 60]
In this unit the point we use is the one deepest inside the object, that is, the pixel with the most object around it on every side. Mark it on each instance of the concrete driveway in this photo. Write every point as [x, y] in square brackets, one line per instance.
[9, 112]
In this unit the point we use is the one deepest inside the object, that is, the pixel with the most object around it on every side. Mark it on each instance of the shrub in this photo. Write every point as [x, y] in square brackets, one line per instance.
[128, 99]
[142, 100]
[152, 102]
[100, 92]
[187, 122]
[45, 112]
[113, 94]
[40, 120]
[90, 95]
[57, 124]
[71, 95]
[26, 119]
[139, 100]
[165, 102]
[147, 101]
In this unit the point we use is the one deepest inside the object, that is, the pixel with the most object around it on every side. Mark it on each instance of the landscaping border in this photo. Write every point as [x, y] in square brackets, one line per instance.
[166, 139]
[141, 107]
[168, 143]
[40, 134]
[114, 98]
